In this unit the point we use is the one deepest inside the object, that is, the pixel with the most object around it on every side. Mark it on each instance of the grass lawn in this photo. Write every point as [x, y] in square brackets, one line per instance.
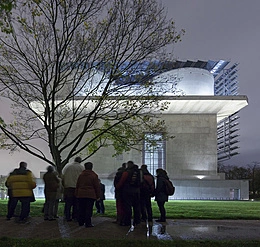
[178, 209]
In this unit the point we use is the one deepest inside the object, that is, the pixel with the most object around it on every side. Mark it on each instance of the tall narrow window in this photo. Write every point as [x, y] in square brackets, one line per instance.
[154, 152]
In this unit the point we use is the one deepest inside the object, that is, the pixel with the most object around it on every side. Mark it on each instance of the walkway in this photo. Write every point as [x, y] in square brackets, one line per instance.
[106, 229]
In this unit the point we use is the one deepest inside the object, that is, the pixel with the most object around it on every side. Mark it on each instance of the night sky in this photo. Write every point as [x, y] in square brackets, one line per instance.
[228, 30]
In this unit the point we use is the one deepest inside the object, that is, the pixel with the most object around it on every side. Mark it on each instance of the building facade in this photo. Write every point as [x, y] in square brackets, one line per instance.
[195, 120]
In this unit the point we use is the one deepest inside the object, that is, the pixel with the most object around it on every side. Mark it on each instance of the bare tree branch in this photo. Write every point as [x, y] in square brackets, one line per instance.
[83, 70]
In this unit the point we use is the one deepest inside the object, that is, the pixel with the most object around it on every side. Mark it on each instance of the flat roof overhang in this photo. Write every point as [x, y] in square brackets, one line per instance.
[222, 106]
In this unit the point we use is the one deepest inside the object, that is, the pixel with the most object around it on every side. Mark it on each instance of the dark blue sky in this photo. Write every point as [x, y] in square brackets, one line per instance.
[228, 30]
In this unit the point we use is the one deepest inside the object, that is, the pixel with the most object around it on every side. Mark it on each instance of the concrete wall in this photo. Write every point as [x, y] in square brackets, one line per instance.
[191, 155]
[187, 189]
[193, 151]
[211, 189]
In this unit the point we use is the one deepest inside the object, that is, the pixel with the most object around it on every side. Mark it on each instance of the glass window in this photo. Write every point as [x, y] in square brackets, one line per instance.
[154, 152]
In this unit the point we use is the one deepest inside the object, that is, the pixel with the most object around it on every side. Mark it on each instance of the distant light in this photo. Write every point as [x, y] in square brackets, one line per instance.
[200, 176]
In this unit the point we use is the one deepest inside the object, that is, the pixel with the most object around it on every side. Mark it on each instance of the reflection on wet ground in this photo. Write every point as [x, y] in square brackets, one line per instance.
[152, 230]
[199, 229]
[160, 232]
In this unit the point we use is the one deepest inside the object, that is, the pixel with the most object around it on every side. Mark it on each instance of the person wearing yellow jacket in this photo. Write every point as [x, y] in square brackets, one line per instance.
[21, 182]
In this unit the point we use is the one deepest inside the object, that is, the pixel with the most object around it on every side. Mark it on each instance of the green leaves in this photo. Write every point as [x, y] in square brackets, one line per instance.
[6, 5]
[2, 123]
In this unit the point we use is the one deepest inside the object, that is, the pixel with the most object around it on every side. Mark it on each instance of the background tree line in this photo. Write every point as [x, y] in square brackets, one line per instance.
[250, 172]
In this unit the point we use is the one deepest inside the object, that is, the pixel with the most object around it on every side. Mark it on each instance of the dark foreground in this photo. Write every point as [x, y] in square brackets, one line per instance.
[104, 228]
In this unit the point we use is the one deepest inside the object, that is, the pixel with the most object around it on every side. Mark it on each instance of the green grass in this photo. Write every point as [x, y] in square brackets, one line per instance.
[177, 209]
[247, 210]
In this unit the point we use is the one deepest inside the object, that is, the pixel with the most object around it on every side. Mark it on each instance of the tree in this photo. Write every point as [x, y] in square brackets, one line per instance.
[250, 172]
[254, 185]
[83, 70]
[235, 172]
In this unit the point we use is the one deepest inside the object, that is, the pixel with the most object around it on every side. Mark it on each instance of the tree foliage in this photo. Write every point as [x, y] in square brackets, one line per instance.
[235, 172]
[250, 172]
[6, 5]
[79, 74]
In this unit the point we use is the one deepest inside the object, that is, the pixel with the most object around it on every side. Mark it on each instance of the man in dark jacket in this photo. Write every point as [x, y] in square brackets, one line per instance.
[160, 193]
[100, 203]
[131, 193]
[50, 191]
[147, 191]
[120, 213]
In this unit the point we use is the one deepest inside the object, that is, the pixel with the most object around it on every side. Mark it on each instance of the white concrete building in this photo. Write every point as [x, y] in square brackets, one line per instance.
[191, 158]
[208, 98]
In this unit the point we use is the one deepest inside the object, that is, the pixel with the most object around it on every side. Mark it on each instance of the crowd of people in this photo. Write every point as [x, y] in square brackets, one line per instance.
[81, 190]
[134, 188]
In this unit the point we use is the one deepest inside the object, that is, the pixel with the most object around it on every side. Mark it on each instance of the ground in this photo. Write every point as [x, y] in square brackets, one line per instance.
[104, 228]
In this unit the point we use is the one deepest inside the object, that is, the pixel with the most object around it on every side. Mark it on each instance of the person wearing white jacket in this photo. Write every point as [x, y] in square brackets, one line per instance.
[70, 174]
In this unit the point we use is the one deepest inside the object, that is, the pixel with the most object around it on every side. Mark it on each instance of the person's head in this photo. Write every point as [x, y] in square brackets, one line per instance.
[130, 164]
[50, 169]
[124, 165]
[136, 166]
[23, 164]
[144, 167]
[160, 171]
[78, 159]
[88, 165]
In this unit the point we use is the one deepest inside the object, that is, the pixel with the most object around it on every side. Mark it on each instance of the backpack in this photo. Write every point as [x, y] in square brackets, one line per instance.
[147, 186]
[135, 178]
[169, 187]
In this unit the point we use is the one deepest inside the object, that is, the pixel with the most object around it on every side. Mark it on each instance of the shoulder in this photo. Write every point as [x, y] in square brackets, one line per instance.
[79, 166]
[65, 168]
[75, 166]
[28, 172]
[94, 174]
[148, 176]
[14, 171]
